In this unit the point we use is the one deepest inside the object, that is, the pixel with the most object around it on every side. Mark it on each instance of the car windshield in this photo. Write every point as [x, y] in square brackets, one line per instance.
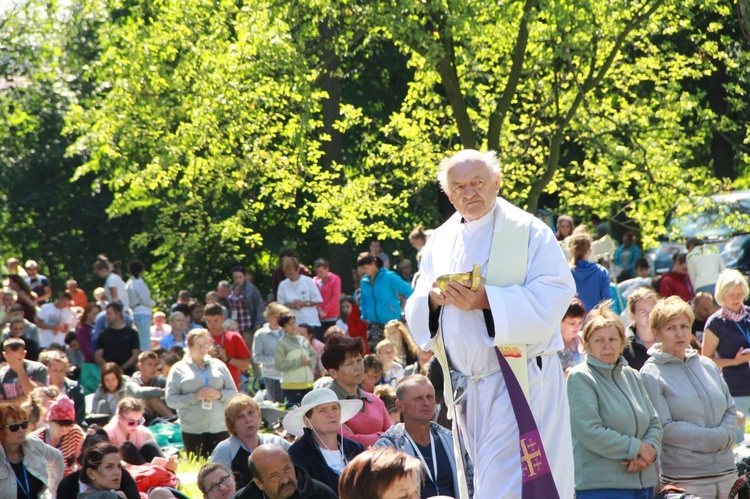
[715, 219]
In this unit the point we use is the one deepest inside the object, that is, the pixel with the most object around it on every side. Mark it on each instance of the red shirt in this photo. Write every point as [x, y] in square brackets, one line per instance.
[236, 348]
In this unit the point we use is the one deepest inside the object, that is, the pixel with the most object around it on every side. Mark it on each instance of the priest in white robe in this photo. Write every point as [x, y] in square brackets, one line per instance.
[528, 314]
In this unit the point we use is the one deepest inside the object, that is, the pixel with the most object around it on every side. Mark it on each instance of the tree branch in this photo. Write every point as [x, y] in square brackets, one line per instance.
[497, 118]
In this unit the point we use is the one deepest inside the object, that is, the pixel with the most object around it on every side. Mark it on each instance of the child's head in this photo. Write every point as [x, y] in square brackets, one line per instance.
[71, 339]
[387, 353]
[170, 360]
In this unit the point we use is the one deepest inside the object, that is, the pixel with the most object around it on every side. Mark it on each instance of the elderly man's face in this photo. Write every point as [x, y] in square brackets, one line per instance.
[472, 189]
[278, 480]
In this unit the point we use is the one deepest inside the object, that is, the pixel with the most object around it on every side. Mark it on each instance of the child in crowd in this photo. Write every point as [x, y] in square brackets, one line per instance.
[160, 328]
[306, 332]
[387, 394]
[393, 372]
[73, 350]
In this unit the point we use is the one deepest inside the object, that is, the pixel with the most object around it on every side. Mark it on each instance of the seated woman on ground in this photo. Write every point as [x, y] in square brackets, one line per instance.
[62, 432]
[321, 451]
[243, 421]
[136, 442]
[115, 386]
[71, 484]
[407, 351]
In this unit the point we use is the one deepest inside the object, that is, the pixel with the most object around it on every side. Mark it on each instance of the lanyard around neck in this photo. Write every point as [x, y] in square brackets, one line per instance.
[431, 475]
[26, 490]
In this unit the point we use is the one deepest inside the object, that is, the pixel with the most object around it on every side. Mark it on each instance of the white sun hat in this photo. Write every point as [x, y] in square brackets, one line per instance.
[293, 421]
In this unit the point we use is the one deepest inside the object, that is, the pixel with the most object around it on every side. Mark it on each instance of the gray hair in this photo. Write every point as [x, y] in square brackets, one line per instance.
[489, 159]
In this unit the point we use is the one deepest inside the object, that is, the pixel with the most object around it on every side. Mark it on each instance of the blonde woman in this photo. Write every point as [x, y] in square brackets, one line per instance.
[198, 388]
[694, 405]
[264, 349]
[726, 337]
[407, 351]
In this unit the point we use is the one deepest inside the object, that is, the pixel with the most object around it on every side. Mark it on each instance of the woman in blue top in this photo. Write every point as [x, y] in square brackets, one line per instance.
[179, 323]
[626, 256]
[592, 280]
[379, 296]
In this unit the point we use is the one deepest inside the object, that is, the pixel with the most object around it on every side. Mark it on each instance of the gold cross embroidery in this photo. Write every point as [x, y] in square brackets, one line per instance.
[530, 452]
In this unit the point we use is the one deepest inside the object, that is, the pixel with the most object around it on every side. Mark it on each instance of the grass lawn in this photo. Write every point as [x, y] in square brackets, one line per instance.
[187, 472]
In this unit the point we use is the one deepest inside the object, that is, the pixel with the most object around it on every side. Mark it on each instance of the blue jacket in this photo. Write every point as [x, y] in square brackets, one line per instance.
[635, 254]
[379, 301]
[592, 283]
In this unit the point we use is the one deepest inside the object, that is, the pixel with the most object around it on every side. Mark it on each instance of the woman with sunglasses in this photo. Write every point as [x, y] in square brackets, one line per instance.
[216, 481]
[28, 467]
[63, 433]
[136, 442]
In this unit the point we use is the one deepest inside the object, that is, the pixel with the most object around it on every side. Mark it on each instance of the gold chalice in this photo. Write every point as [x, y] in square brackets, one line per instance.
[475, 276]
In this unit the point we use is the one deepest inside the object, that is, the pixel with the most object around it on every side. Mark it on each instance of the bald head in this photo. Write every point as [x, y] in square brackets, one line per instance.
[273, 471]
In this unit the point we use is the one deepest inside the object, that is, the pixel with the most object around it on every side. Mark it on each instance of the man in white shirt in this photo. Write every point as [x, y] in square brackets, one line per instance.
[55, 320]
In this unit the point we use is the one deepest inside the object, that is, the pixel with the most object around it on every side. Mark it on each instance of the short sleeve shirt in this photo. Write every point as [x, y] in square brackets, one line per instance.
[118, 345]
[10, 385]
[236, 348]
[732, 336]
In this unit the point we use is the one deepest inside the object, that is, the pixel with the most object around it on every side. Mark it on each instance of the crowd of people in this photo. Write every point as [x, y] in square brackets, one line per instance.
[629, 384]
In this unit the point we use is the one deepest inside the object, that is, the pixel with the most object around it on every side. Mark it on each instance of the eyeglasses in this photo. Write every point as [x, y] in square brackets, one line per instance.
[65, 423]
[16, 426]
[132, 422]
[225, 480]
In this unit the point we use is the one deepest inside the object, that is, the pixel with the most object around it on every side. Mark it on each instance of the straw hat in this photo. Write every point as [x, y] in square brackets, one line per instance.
[294, 420]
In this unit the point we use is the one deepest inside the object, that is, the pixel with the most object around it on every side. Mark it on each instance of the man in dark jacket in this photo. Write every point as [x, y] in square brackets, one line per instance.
[276, 477]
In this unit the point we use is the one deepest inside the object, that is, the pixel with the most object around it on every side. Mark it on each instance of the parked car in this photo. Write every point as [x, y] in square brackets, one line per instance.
[736, 253]
[720, 220]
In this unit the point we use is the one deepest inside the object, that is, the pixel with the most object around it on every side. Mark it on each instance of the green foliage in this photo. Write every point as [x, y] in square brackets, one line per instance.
[215, 132]
[44, 216]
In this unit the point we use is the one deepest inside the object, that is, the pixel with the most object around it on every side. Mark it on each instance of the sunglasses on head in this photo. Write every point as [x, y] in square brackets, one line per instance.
[131, 422]
[16, 426]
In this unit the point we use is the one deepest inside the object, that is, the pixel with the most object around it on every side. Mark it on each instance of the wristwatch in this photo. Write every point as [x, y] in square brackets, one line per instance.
[229, 359]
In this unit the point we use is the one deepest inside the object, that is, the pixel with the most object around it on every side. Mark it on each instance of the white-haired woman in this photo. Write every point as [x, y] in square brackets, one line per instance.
[322, 451]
